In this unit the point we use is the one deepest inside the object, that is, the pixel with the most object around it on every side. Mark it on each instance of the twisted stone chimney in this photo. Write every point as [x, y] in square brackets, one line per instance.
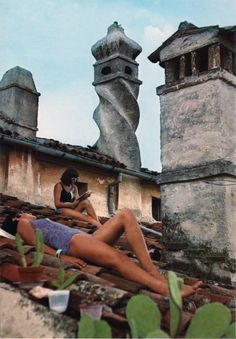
[117, 85]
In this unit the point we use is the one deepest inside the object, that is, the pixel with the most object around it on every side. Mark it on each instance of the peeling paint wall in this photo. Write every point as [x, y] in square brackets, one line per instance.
[31, 177]
[149, 191]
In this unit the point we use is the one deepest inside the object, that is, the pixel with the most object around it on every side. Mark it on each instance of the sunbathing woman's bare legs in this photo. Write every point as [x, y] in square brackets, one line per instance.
[125, 221]
[91, 249]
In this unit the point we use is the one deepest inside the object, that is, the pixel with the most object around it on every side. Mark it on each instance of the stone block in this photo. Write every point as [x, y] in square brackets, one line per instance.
[24, 318]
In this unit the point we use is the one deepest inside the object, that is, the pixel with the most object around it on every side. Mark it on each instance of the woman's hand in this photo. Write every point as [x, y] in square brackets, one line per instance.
[67, 259]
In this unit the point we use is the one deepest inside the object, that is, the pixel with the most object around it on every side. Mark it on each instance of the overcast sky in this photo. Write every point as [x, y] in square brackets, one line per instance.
[53, 39]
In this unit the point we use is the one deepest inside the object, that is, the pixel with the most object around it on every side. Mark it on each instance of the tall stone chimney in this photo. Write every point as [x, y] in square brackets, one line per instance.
[198, 147]
[117, 85]
[19, 102]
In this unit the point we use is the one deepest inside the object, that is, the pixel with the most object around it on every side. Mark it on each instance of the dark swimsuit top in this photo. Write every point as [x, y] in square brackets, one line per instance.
[67, 196]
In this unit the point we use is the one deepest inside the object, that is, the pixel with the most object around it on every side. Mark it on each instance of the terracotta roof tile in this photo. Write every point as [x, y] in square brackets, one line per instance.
[86, 152]
[103, 285]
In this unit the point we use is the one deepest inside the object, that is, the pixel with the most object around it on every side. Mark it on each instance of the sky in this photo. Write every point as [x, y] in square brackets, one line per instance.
[53, 39]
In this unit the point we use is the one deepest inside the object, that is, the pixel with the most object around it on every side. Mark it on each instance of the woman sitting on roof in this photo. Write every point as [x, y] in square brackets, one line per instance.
[97, 248]
[68, 201]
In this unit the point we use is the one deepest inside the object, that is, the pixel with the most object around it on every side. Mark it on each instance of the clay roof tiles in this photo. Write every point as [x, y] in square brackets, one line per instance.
[102, 285]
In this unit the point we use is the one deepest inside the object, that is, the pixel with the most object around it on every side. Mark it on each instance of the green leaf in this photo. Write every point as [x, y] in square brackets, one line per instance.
[38, 258]
[55, 283]
[102, 329]
[86, 327]
[210, 321]
[174, 289]
[61, 275]
[20, 249]
[68, 281]
[133, 328]
[157, 334]
[175, 318]
[174, 284]
[231, 331]
[143, 315]
[89, 328]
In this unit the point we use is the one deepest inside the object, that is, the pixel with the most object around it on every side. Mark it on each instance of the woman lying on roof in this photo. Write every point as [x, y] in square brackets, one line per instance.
[97, 248]
[68, 201]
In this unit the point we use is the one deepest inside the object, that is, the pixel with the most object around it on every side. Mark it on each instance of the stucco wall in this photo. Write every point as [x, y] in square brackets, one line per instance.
[198, 124]
[201, 213]
[149, 191]
[31, 177]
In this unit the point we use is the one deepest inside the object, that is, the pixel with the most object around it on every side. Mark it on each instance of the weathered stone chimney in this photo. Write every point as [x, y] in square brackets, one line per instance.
[117, 85]
[198, 146]
[19, 102]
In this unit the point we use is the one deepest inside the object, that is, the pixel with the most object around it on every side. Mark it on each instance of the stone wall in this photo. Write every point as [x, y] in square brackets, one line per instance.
[24, 318]
[19, 102]
[199, 227]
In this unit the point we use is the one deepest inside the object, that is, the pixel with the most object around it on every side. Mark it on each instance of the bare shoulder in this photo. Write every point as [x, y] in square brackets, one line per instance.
[23, 224]
[58, 186]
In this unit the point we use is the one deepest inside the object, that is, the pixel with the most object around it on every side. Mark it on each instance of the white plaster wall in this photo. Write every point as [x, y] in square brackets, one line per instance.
[130, 195]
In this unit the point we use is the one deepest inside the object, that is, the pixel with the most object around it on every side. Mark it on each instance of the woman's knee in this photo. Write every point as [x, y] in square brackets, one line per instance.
[85, 203]
[127, 214]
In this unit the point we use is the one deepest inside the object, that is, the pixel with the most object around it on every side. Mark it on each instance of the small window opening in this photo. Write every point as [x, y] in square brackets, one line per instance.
[156, 208]
[128, 70]
[172, 70]
[203, 59]
[106, 70]
[188, 70]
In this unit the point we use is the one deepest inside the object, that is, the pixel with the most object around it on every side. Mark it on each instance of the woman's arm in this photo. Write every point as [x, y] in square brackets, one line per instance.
[57, 198]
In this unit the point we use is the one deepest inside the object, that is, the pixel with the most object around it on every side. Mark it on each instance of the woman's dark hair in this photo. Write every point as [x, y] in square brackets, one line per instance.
[67, 176]
[9, 225]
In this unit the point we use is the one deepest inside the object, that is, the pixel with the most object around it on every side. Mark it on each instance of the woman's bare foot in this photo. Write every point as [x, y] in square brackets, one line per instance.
[156, 274]
[188, 290]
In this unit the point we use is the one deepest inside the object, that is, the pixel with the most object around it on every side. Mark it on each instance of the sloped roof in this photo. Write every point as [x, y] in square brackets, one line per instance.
[97, 284]
[78, 153]
[87, 152]
[186, 29]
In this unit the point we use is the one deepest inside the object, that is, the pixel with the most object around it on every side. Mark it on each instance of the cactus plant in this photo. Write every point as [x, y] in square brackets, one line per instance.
[210, 321]
[61, 283]
[20, 249]
[89, 328]
[144, 318]
[174, 285]
[38, 255]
